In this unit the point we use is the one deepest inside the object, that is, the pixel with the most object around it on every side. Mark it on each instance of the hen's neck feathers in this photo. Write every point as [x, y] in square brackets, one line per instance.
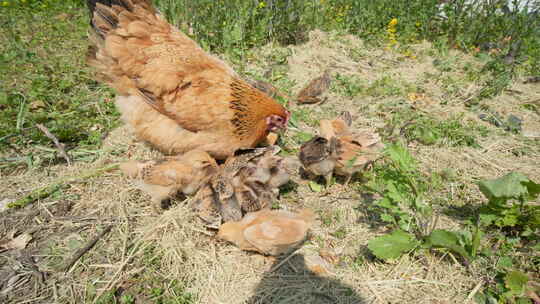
[251, 108]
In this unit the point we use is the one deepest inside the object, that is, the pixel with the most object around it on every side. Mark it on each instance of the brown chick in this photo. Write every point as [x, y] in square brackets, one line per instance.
[311, 93]
[170, 91]
[267, 88]
[354, 149]
[270, 232]
[318, 157]
[171, 176]
[246, 182]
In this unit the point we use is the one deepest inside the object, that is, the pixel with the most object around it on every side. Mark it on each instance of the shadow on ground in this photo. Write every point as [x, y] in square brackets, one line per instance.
[293, 282]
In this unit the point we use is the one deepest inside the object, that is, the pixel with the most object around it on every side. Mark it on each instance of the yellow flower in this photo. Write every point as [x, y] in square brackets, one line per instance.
[418, 24]
[393, 22]
[262, 4]
[5, 3]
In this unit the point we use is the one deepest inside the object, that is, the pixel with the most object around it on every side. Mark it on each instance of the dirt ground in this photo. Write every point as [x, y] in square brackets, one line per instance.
[173, 258]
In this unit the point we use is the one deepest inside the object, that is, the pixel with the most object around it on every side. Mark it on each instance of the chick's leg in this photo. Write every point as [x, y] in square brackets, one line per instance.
[347, 179]
[328, 178]
[156, 204]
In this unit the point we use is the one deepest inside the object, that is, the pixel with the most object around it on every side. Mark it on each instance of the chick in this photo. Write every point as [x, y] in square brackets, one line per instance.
[336, 127]
[270, 232]
[311, 93]
[353, 149]
[246, 182]
[318, 157]
[356, 152]
[339, 150]
[168, 177]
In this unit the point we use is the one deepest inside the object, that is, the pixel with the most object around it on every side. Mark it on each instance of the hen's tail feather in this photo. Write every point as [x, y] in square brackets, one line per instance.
[104, 13]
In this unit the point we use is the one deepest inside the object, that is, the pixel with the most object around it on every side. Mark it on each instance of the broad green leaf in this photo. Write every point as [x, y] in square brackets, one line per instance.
[385, 203]
[387, 218]
[399, 154]
[394, 193]
[475, 244]
[440, 238]
[533, 188]
[512, 185]
[487, 218]
[504, 262]
[392, 246]
[315, 187]
[516, 281]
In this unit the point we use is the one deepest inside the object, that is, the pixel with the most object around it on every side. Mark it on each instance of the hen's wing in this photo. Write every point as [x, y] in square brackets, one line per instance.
[140, 53]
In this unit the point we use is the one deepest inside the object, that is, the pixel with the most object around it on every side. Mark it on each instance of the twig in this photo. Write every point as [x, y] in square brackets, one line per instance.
[79, 253]
[474, 291]
[283, 261]
[45, 191]
[57, 143]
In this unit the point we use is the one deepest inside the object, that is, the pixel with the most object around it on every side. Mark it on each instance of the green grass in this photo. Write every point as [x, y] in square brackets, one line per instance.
[43, 77]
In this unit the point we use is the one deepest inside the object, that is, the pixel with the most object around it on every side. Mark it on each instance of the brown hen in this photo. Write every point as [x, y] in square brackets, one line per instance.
[173, 94]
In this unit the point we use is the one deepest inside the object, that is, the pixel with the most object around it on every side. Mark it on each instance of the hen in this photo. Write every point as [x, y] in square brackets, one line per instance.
[270, 232]
[171, 92]
[246, 182]
[168, 177]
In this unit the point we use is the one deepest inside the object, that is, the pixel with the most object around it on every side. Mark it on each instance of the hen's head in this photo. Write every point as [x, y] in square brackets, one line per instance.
[276, 122]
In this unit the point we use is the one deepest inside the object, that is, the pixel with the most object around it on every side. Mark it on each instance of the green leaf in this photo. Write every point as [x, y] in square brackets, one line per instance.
[401, 156]
[385, 203]
[487, 218]
[516, 281]
[392, 246]
[475, 244]
[440, 238]
[394, 194]
[315, 187]
[533, 188]
[504, 262]
[387, 218]
[512, 185]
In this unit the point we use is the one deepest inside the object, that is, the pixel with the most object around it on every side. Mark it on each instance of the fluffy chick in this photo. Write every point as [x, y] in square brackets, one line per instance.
[318, 157]
[270, 232]
[168, 177]
[311, 93]
[354, 149]
[246, 182]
